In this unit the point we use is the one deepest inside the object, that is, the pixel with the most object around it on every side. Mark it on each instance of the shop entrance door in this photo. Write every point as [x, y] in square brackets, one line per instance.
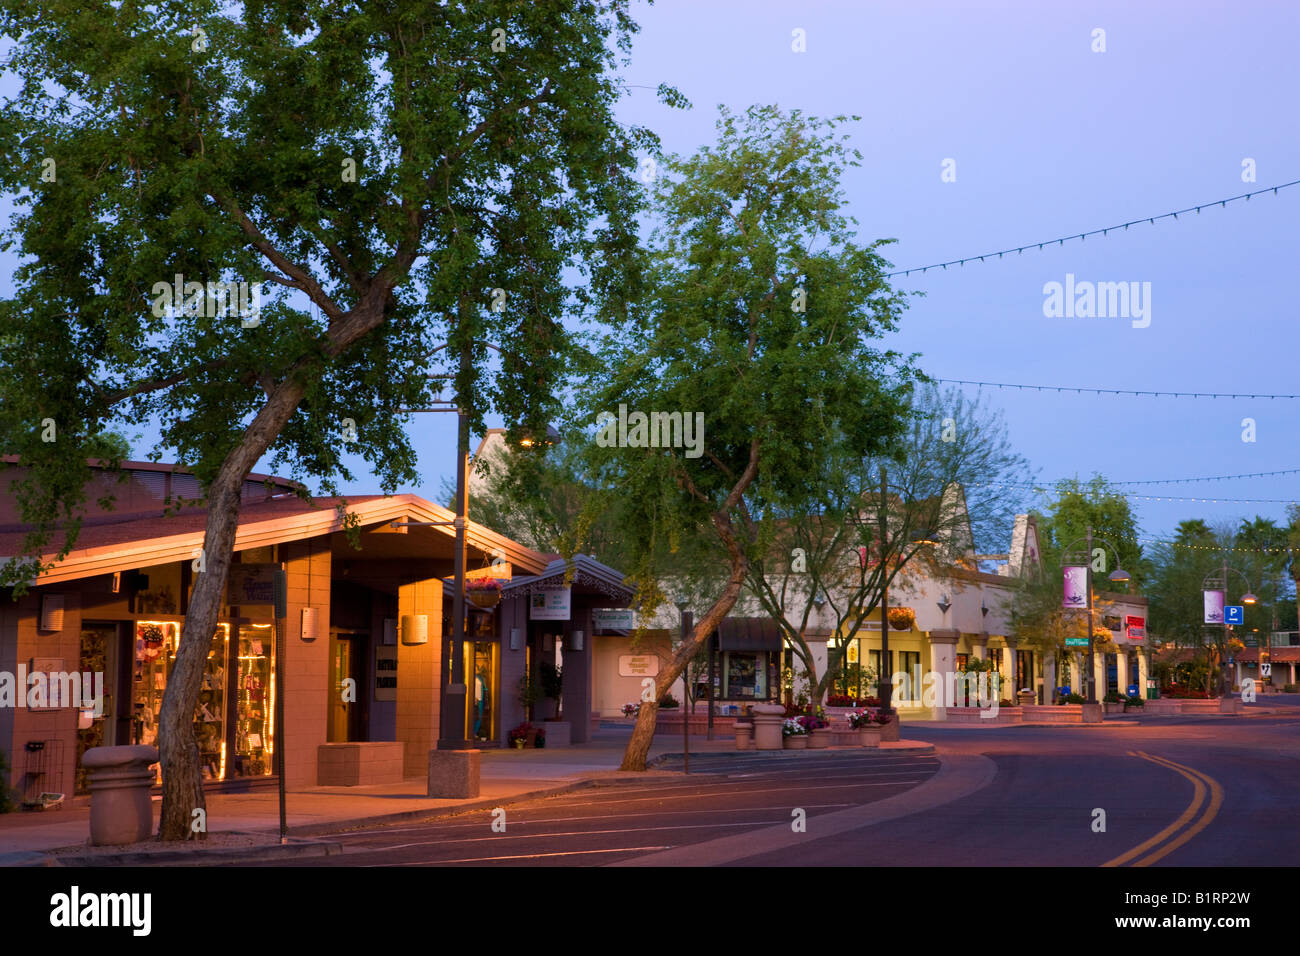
[347, 685]
[481, 674]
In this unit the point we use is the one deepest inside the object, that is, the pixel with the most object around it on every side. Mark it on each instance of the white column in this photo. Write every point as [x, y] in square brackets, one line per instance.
[943, 661]
[1121, 669]
[1050, 678]
[1076, 673]
[1143, 673]
[1099, 673]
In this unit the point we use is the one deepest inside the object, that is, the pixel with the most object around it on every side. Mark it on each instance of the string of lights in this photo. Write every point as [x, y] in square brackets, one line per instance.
[1211, 547]
[1189, 481]
[1113, 391]
[1081, 236]
[1042, 490]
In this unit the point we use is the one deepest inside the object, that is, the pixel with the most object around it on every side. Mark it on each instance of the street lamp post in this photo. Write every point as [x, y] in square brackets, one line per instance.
[1210, 582]
[454, 712]
[1119, 575]
[686, 620]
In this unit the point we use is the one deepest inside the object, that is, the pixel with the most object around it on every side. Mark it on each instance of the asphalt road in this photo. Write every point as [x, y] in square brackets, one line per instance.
[1209, 791]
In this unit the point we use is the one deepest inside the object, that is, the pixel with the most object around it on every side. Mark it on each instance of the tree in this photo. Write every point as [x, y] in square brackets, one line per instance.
[396, 175]
[1096, 504]
[946, 477]
[752, 351]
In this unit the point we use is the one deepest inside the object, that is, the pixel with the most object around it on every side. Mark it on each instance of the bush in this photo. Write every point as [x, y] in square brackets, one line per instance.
[1073, 699]
[1134, 702]
[1288, 688]
[668, 700]
[1114, 697]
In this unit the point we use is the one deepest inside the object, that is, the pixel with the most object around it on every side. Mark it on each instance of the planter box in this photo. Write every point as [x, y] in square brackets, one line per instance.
[744, 735]
[1114, 708]
[1161, 707]
[359, 764]
[1189, 706]
[1053, 713]
[889, 731]
[796, 742]
[976, 715]
[559, 733]
[869, 736]
[820, 739]
[670, 723]
[1092, 713]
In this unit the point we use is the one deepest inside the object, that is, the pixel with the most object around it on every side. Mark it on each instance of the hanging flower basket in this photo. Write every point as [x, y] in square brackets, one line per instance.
[902, 618]
[483, 592]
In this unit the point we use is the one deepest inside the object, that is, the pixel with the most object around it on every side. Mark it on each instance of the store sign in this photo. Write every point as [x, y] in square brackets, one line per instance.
[1135, 627]
[385, 672]
[549, 604]
[1213, 607]
[251, 584]
[1074, 591]
[613, 619]
[1076, 642]
[638, 665]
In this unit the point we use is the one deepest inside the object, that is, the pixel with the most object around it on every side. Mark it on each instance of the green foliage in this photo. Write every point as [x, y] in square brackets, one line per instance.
[1079, 505]
[475, 168]
[6, 799]
[747, 232]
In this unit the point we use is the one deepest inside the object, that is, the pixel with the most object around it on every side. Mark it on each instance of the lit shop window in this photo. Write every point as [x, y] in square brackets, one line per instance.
[255, 710]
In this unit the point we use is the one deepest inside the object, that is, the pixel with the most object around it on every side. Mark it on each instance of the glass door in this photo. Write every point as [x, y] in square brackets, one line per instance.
[254, 718]
[481, 674]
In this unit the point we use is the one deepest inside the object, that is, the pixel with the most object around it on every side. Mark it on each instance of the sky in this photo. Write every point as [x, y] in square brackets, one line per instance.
[1042, 135]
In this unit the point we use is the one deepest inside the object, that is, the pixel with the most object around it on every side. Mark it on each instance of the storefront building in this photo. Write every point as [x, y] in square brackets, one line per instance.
[364, 640]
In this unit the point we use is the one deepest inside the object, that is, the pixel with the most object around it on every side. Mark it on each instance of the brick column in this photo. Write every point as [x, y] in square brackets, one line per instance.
[419, 692]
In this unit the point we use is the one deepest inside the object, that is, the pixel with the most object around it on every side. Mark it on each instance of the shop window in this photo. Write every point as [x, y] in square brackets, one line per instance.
[744, 677]
[255, 709]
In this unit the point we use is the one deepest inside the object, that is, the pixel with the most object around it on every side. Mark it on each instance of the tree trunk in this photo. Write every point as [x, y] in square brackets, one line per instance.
[182, 783]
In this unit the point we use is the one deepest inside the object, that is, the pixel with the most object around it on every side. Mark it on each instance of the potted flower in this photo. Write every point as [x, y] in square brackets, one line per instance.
[1115, 702]
[631, 710]
[483, 592]
[819, 730]
[522, 736]
[794, 734]
[902, 618]
[1134, 701]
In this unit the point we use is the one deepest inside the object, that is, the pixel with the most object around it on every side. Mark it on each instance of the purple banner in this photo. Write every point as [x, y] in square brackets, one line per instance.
[1213, 607]
[1074, 592]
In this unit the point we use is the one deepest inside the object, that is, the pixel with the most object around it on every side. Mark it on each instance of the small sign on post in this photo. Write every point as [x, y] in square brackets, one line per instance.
[1234, 614]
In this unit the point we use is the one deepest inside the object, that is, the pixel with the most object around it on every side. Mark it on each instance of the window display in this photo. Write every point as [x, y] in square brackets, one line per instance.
[255, 715]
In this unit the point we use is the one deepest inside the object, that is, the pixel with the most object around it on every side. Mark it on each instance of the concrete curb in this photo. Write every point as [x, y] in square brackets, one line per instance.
[294, 850]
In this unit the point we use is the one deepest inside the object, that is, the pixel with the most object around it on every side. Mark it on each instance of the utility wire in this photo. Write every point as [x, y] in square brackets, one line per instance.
[1113, 391]
[1084, 235]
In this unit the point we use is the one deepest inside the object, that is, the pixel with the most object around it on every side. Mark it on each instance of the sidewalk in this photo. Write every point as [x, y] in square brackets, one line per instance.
[507, 775]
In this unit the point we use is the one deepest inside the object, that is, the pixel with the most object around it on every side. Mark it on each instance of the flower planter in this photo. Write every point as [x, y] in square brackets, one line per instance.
[1053, 713]
[768, 719]
[820, 739]
[484, 597]
[744, 736]
[519, 744]
[983, 715]
[1113, 707]
[869, 736]
[796, 742]
[889, 731]
[1161, 707]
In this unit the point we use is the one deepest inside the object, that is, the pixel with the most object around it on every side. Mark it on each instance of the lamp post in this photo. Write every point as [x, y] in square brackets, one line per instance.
[1119, 575]
[455, 714]
[1210, 582]
[686, 677]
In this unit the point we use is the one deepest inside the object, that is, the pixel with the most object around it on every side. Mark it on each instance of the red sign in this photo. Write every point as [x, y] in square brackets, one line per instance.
[1135, 627]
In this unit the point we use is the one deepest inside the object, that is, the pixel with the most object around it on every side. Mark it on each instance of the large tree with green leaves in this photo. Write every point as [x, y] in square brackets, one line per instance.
[394, 176]
[755, 332]
[945, 497]
[1096, 504]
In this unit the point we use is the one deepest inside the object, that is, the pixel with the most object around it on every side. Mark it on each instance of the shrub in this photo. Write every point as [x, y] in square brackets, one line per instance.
[668, 700]
[1073, 699]
[1114, 697]
[1288, 688]
[1134, 702]
[6, 804]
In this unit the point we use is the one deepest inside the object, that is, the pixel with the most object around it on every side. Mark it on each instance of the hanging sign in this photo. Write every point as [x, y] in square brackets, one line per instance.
[1136, 627]
[549, 604]
[613, 619]
[500, 572]
[1074, 587]
[1213, 607]
[251, 584]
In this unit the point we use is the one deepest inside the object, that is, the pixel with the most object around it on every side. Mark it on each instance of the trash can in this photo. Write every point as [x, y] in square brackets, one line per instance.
[1153, 692]
[120, 779]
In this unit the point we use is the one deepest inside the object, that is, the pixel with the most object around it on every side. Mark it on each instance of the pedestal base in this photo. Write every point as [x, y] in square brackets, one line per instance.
[454, 773]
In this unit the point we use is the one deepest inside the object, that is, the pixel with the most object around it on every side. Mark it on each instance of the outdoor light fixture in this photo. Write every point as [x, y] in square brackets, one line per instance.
[1248, 598]
[1119, 576]
[944, 604]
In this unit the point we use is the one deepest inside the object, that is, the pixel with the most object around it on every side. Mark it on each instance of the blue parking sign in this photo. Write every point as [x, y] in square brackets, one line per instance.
[1234, 614]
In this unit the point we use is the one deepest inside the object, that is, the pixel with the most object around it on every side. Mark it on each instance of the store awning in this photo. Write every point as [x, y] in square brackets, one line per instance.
[749, 634]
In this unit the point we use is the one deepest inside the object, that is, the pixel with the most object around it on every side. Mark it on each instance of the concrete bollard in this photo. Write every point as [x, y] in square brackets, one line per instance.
[454, 773]
[120, 779]
[744, 735]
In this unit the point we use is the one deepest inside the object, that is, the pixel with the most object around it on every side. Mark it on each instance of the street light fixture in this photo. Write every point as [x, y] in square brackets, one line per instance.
[1212, 581]
[1119, 576]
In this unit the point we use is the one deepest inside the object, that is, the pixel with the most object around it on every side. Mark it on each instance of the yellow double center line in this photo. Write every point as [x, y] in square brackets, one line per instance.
[1200, 782]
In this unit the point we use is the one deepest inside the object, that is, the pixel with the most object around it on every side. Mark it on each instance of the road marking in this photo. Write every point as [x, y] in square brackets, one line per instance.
[529, 856]
[1199, 783]
[571, 833]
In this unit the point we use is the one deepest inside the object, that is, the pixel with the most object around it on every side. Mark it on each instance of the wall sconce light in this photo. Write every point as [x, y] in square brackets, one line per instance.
[576, 640]
[51, 612]
[309, 624]
[944, 604]
[415, 629]
[516, 638]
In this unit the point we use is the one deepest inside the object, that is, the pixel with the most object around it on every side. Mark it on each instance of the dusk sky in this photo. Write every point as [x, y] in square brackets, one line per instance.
[1047, 138]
